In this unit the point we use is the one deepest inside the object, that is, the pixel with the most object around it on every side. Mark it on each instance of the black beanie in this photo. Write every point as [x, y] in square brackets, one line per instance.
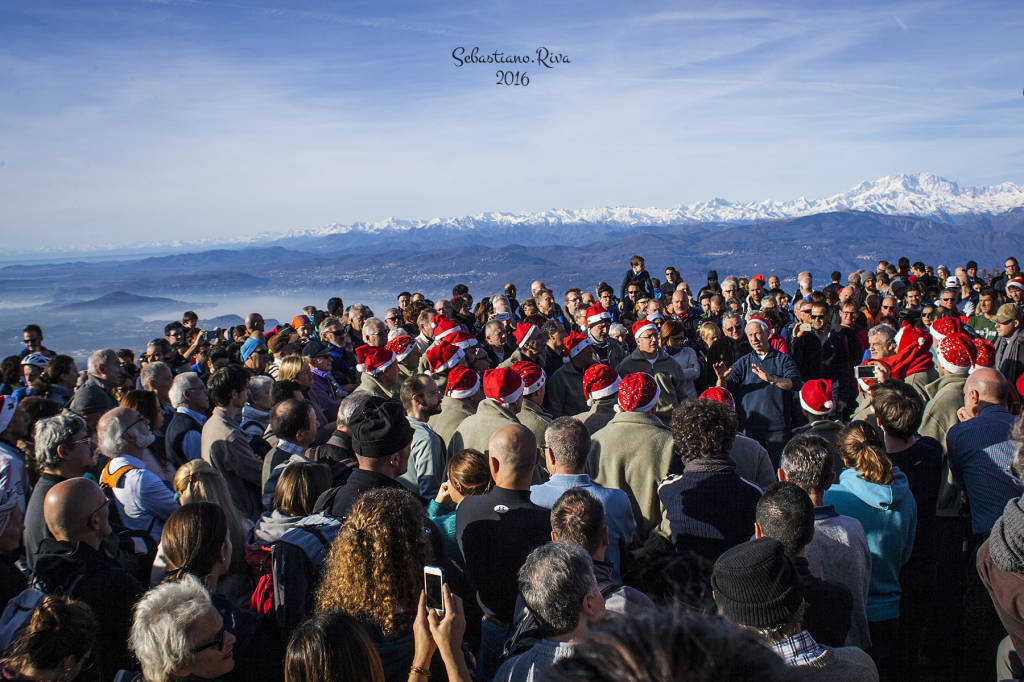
[756, 585]
[380, 429]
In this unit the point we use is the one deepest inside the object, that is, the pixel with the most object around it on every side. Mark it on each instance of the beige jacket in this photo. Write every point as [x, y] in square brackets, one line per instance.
[476, 430]
[453, 412]
[226, 448]
[633, 453]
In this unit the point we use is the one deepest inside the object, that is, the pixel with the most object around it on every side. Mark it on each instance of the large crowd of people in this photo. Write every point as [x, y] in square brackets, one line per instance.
[659, 482]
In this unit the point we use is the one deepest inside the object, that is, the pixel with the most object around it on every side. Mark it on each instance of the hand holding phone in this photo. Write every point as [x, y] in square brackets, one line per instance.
[433, 579]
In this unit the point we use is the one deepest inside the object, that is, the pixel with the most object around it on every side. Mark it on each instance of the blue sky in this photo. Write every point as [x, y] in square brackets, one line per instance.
[136, 121]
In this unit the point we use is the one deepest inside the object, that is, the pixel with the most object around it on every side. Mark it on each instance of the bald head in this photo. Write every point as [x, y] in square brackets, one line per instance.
[514, 447]
[69, 509]
[990, 385]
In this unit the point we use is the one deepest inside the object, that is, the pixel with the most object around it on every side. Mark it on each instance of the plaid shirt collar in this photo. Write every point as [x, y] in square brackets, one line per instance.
[799, 649]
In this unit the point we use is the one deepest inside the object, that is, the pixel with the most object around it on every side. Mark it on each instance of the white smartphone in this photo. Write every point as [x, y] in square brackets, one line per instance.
[433, 578]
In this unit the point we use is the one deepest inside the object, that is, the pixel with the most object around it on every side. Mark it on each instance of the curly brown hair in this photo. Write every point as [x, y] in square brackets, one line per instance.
[374, 569]
[702, 428]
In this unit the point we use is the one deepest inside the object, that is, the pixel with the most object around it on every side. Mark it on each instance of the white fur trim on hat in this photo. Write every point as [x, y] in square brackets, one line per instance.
[595, 319]
[466, 392]
[579, 347]
[508, 400]
[828, 406]
[647, 327]
[610, 389]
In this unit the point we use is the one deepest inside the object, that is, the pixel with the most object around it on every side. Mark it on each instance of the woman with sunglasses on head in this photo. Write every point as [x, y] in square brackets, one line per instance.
[196, 542]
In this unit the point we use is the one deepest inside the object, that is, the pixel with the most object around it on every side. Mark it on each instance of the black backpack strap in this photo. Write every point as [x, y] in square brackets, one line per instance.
[608, 587]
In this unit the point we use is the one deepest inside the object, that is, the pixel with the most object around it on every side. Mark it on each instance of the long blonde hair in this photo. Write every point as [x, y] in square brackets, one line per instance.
[197, 481]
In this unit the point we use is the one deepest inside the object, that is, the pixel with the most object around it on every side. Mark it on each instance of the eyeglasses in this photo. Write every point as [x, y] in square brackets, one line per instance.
[80, 441]
[391, 319]
[137, 421]
[817, 317]
[888, 307]
[946, 300]
[217, 643]
[97, 510]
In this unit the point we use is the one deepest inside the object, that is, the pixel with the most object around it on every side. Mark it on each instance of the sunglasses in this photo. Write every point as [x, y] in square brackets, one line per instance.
[217, 643]
[817, 317]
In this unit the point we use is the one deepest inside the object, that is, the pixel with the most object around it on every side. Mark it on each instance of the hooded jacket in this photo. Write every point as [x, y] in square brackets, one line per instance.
[888, 514]
[103, 584]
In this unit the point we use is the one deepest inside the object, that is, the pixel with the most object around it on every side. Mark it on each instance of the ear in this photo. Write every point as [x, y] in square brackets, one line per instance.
[493, 461]
[553, 538]
[781, 474]
[757, 531]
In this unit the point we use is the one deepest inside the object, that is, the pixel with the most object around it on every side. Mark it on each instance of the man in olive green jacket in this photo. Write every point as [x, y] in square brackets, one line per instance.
[461, 396]
[650, 359]
[503, 391]
[633, 452]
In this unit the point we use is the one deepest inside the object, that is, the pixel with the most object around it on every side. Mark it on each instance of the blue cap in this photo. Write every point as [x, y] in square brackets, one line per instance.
[249, 347]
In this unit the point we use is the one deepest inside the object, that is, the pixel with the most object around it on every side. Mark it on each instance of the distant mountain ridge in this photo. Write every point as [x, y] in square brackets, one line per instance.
[923, 195]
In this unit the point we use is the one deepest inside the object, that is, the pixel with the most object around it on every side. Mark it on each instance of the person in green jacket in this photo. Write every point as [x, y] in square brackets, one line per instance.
[467, 474]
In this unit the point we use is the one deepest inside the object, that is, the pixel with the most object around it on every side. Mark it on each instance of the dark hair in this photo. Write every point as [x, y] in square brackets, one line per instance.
[412, 387]
[192, 539]
[702, 428]
[299, 486]
[636, 260]
[603, 287]
[551, 327]
[785, 512]
[807, 461]
[898, 408]
[577, 518]
[58, 366]
[58, 628]
[863, 449]
[331, 647]
[290, 416]
[225, 382]
[569, 442]
[335, 305]
[10, 370]
[459, 290]
[670, 645]
[145, 403]
[32, 329]
[281, 391]
[173, 326]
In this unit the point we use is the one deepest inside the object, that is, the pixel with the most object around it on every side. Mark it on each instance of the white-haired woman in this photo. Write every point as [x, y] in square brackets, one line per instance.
[177, 634]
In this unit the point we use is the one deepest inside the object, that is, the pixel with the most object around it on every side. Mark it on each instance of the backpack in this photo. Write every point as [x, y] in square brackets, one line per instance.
[285, 587]
[136, 548]
[20, 608]
[531, 629]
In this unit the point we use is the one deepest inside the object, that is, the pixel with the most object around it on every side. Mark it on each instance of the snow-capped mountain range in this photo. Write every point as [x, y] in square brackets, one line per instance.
[923, 195]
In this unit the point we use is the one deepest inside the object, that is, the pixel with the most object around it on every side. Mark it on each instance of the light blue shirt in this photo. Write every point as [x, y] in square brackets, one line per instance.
[618, 513]
[143, 501]
[191, 444]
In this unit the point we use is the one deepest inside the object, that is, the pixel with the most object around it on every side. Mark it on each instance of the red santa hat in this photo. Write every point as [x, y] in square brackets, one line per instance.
[462, 339]
[757, 319]
[643, 325]
[816, 397]
[443, 327]
[1016, 283]
[523, 331]
[638, 392]
[719, 395]
[503, 385]
[443, 356]
[956, 354]
[945, 326]
[462, 383]
[373, 360]
[913, 353]
[596, 314]
[533, 376]
[599, 381]
[984, 353]
[574, 344]
[8, 404]
[401, 346]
